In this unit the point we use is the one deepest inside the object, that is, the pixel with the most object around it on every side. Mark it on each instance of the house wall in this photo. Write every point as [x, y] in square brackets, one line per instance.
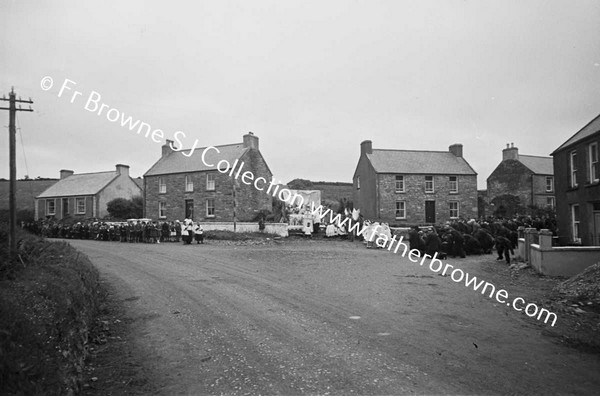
[249, 200]
[280, 229]
[540, 195]
[59, 215]
[122, 186]
[365, 198]
[585, 194]
[511, 177]
[415, 197]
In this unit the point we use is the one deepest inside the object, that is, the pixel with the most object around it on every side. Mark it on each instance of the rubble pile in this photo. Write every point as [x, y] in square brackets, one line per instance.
[583, 288]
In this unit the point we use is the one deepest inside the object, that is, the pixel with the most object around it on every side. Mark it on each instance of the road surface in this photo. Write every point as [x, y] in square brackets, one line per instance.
[327, 317]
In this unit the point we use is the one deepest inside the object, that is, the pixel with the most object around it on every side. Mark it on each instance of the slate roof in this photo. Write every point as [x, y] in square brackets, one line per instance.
[79, 184]
[588, 130]
[419, 162]
[538, 165]
[177, 162]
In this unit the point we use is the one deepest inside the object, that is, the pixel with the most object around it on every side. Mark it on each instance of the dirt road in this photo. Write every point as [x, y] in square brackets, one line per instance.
[309, 317]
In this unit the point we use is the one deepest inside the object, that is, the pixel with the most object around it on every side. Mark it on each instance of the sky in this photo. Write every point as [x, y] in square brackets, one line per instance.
[312, 79]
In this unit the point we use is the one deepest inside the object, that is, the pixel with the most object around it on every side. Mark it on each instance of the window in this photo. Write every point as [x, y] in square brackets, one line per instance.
[573, 169]
[550, 202]
[210, 207]
[189, 184]
[358, 182]
[162, 185]
[210, 182]
[575, 223]
[399, 183]
[593, 162]
[429, 188]
[50, 207]
[400, 210]
[162, 210]
[80, 205]
[454, 212]
[453, 184]
[549, 184]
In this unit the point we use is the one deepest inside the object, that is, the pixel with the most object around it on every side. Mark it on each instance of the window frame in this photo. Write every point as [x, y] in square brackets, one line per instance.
[575, 223]
[162, 185]
[403, 210]
[53, 201]
[358, 182]
[551, 184]
[593, 173]
[162, 210]
[573, 169]
[551, 202]
[207, 207]
[450, 209]
[188, 183]
[399, 179]
[210, 178]
[432, 191]
[455, 190]
[78, 200]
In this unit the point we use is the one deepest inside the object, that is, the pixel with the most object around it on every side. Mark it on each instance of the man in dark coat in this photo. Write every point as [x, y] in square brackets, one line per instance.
[504, 246]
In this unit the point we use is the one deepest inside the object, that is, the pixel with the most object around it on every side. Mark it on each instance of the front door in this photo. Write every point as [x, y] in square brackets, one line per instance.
[189, 209]
[430, 211]
[65, 207]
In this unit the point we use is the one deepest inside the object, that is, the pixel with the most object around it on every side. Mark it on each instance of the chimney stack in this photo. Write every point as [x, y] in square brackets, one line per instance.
[456, 149]
[366, 147]
[166, 148]
[122, 169]
[510, 152]
[64, 173]
[251, 141]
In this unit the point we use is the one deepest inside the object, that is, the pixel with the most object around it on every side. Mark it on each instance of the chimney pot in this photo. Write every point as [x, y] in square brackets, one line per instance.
[122, 169]
[64, 173]
[456, 149]
[510, 153]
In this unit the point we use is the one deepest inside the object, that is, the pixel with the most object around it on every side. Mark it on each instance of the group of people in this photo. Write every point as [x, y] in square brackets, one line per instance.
[133, 231]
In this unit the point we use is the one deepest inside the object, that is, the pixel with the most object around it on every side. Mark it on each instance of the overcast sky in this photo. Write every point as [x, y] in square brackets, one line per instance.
[312, 79]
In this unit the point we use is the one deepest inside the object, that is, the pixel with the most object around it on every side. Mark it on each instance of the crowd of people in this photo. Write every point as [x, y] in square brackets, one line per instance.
[132, 231]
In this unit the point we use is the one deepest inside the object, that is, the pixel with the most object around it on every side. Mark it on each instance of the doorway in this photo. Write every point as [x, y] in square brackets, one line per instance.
[430, 211]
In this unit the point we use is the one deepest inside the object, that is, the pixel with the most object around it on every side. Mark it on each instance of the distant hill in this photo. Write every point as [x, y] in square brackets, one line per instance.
[27, 190]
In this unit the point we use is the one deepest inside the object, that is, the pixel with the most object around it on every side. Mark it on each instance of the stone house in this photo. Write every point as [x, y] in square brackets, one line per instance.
[578, 187]
[409, 187]
[181, 184]
[85, 195]
[520, 183]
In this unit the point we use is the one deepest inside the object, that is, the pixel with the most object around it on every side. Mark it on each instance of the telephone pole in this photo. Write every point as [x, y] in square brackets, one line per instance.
[12, 131]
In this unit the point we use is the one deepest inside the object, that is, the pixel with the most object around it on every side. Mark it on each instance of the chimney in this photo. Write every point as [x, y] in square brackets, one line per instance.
[510, 152]
[250, 141]
[64, 173]
[166, 148]
[122, 169]
[366, 147]
[456, 149]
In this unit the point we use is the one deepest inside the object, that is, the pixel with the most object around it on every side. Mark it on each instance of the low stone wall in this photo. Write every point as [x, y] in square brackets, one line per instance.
[563, 261]
[280, 229]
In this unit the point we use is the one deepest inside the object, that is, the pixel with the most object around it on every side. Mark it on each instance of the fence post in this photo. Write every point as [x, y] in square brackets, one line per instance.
[545, 239]
[529, 233]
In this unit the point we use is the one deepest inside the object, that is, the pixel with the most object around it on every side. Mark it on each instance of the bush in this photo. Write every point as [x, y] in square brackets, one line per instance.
[122, 209]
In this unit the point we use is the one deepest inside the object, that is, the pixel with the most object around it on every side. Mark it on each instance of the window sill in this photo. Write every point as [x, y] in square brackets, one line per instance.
[400, 192]
[210, 217]
[593, 184]
[400, 218]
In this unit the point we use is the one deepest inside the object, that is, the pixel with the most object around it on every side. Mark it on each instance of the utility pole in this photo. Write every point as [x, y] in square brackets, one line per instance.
[12, 131]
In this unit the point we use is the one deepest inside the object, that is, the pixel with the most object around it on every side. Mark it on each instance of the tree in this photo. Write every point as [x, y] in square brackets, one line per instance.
[301, 184]
[121, 208]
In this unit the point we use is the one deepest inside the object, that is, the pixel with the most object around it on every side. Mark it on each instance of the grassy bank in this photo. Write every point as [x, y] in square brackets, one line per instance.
[219, 235]
[48, 296]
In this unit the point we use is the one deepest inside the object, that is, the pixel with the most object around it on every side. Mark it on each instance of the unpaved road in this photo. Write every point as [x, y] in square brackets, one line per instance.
[316, 317]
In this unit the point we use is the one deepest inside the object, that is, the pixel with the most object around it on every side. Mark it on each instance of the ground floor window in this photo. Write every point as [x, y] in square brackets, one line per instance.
[454, 209]
[210, 207]
[50, 207]
[162, 210]
[80, 205]
[575, 223]
[550, 202]
[400, 209]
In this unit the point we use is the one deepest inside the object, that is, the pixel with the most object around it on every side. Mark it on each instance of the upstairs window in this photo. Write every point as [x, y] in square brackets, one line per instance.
[549, 183]
[189, 184]
[573, 169]
[399, 183]
[429, 187]
[453, 184]
[210, 182]
[162, 185]
[593, 163]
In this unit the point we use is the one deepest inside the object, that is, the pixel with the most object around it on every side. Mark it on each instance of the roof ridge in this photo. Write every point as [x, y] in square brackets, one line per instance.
[88, 173]
[537, 156]
[419, 151]
[220, 145]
